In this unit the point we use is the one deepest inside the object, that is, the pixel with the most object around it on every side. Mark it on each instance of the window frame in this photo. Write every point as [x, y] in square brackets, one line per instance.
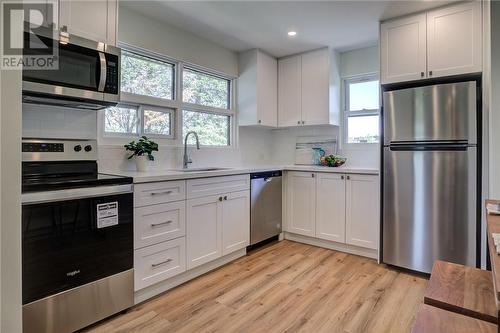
[205, 72]
[128, 97]
[230, 130]
[357, 113]
[166, 110]
[176, 105]
[102, 120]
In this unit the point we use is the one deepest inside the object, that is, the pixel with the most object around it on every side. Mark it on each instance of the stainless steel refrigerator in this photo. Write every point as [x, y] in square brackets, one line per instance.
[430, 183]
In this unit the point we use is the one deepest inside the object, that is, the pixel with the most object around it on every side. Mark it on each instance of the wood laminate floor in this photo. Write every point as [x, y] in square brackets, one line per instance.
[285, 287]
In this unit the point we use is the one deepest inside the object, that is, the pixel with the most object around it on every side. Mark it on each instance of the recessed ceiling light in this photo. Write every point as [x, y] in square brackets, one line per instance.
[292, 33]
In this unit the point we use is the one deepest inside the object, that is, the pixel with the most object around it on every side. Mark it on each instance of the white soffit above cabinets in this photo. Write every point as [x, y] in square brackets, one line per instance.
[243, 25]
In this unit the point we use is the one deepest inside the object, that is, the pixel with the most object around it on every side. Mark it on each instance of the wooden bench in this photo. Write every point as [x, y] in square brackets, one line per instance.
[431, 319]
[461, 289]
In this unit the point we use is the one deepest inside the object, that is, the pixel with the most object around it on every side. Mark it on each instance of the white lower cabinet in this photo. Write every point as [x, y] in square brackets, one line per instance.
[216, 226]
[301, 204]
[180, 225]
[235, 221]
[362, 211]
[343, 208]
[159, 262]
[330, 207]
[204, 225]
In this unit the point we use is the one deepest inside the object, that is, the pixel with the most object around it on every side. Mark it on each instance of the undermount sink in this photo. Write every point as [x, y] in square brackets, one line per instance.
[202, 169]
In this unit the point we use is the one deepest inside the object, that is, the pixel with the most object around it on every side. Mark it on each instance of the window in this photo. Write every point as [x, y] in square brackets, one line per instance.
[361, 113]
[156, 91]
[121, 120]
[125, 120]
[204, 89]
[146, 76]
[157, 122]
[212, 129]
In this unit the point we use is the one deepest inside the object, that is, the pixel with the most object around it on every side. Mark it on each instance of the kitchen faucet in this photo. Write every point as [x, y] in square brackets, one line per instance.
[186, 159]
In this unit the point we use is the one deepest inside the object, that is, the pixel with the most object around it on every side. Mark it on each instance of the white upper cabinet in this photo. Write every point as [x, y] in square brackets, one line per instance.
[94, 19]
[289, 91]
[454, 40]
[315, 88]
[362, 210]
[441, 42]
[257, 89]
[330, 206]
[305, 83]
[301, 196]
[403, 49]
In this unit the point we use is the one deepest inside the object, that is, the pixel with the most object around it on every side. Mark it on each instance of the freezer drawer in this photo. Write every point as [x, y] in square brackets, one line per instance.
[445, 112]
[429, 206]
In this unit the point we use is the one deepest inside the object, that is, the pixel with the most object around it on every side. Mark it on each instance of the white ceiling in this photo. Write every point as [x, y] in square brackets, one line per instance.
[242, 25]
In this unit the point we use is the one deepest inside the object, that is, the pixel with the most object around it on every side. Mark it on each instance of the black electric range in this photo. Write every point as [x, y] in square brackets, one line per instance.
[77, 237]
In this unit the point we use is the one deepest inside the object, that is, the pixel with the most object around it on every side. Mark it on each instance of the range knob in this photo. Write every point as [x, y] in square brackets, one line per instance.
[88, 148]
[77, 148]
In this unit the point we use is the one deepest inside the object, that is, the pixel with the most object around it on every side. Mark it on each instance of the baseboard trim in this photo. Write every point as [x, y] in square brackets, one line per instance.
[360, 251]
[163, 286]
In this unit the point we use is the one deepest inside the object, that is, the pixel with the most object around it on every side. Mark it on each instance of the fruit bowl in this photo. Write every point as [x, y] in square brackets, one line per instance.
[332, 161]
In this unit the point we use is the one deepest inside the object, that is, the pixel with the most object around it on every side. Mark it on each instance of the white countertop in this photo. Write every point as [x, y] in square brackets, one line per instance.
[165, 175]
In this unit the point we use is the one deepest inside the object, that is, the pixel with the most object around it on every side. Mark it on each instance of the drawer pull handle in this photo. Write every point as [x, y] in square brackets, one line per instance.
[161, 263]
[161, 193]
[161, 223]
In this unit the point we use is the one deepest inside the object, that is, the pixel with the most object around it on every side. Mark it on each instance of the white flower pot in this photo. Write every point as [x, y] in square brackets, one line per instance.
[142, 163]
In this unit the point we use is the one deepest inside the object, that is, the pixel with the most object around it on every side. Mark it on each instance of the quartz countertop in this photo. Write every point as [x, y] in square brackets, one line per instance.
[165, 175]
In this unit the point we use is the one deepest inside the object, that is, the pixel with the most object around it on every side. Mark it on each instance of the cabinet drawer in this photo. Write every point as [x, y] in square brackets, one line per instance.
[202, 187]
[157, 193]
[159, 223]
[159, 262]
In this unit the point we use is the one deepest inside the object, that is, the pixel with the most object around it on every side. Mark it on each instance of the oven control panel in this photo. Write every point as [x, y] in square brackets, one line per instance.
[59, 150]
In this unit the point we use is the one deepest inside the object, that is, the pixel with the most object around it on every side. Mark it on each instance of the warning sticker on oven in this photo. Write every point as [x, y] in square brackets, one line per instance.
[107, 214]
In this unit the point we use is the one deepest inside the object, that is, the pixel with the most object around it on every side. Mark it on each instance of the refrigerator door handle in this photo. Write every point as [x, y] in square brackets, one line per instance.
[436, 147]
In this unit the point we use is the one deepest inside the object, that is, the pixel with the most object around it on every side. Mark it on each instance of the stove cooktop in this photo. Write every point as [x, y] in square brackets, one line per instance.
[53, 183]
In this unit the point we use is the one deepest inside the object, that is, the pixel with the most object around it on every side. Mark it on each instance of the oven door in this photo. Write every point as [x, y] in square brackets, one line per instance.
[72, 237]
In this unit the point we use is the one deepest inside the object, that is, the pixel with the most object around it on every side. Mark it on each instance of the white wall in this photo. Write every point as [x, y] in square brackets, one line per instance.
[148, 33]
[10, 201]
[494, 116]
[359, 61]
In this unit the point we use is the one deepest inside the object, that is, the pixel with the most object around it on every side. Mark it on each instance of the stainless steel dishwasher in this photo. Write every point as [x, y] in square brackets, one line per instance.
[265, 206]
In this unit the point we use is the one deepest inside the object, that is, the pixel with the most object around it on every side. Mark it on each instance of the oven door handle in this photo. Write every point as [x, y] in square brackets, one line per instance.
[102, 77]
[73, 194]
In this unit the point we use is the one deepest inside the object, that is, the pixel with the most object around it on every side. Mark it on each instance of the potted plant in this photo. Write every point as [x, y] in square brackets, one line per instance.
[143, 152]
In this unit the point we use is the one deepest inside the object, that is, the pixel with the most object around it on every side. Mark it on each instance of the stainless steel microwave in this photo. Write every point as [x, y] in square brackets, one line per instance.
[87, 77]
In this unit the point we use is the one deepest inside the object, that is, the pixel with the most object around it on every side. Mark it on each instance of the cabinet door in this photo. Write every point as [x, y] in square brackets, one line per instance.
[315, 87]
[362, 210]
[403, 49]
[330, 206]
[301, 197]
[454, 40]
[203, 230]
[95, 20]
[235, 221]
[289, 91]
[267, 90]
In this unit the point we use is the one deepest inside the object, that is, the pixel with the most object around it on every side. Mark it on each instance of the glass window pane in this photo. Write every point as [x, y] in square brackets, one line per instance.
[120, 120]
[203, 89]
[212, 129]
[156, 122]
[363, 95]
[146, 76]
[363, 129]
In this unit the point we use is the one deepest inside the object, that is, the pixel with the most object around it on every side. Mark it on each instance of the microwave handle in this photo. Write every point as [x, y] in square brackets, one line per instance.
[102, 77]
